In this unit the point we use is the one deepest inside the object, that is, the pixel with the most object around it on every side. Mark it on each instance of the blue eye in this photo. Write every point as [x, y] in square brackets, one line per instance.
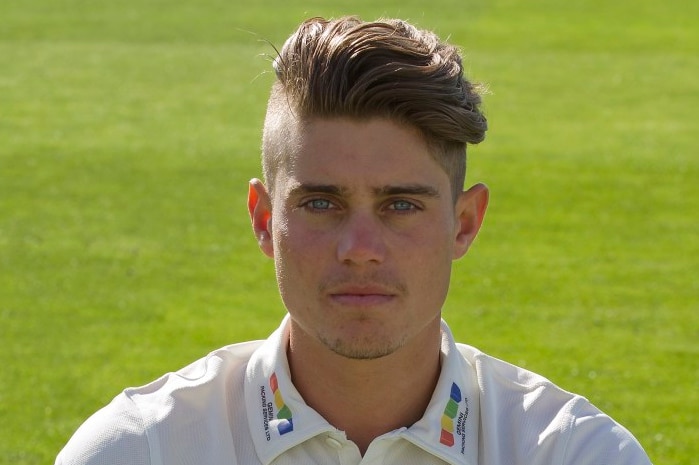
[319, 204]
[402, 205]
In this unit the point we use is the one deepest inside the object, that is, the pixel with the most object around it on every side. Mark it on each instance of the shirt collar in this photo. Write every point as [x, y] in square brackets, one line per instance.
[279, 419]
[449, 427]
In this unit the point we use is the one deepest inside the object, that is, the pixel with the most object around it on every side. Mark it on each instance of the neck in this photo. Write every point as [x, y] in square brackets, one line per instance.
[366, 398]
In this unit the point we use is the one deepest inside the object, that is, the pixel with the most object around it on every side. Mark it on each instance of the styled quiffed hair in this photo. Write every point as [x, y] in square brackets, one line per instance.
[388, 69]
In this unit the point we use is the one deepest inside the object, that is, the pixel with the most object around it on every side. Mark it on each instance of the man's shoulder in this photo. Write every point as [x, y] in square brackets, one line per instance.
[196, 395]
[503, 385]
[203, 373]
[215, 377]
[554, 425]
[506, 375]
[214, 364]
[113, 435]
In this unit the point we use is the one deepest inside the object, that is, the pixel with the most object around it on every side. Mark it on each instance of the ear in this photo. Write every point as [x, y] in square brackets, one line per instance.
[260, 210]
[469, 212]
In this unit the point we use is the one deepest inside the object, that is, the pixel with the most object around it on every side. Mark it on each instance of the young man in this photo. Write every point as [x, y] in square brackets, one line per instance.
[363, 211]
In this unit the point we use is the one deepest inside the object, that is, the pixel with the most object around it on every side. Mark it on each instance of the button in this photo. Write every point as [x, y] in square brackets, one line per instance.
[334, 443]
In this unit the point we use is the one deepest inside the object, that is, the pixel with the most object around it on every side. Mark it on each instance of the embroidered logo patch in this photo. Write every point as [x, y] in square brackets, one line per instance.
[450, 411]
[285, 422]
[282, 421]
[454, 419]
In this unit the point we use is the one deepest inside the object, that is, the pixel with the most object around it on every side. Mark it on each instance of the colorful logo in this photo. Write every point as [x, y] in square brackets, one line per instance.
[450, 411]
[285, 423]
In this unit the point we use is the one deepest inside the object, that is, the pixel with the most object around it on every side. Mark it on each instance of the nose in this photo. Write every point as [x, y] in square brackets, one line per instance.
[361, 240]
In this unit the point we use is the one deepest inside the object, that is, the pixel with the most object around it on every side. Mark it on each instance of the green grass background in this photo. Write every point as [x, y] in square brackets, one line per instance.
[128, 131]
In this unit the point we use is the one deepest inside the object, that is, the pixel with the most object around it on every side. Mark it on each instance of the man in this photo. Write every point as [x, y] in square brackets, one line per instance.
[363, 212]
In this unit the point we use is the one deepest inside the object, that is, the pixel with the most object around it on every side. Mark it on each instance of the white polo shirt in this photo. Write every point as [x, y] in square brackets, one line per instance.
[237, 406]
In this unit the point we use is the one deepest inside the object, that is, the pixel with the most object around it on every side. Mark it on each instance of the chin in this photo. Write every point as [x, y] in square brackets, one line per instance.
[362, 348]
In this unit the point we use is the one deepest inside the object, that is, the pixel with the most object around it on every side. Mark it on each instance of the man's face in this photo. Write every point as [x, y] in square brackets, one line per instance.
[363, 233]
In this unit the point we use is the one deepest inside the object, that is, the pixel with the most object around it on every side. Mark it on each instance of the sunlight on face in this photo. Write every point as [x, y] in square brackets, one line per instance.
[363, 233]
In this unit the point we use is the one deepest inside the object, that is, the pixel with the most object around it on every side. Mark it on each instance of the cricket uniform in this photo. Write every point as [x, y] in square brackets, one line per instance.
[237, 406]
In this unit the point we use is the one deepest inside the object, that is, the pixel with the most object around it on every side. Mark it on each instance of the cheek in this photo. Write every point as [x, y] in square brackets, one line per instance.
[297, 252]
[431, 260]
[431, 242]
[299, 269]
[291, 240]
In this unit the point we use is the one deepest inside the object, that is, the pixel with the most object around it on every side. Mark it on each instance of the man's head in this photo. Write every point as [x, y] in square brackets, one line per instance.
[348, 68]
[364, 209]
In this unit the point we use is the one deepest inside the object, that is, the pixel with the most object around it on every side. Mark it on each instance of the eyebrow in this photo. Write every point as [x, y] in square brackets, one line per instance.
[302, 189]
[419, 190]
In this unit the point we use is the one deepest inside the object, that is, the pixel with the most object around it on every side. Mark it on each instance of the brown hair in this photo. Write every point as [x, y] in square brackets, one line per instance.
[355, 69]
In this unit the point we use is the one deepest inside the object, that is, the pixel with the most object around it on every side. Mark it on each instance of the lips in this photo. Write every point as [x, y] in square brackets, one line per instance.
[361, 300]
[361, 296]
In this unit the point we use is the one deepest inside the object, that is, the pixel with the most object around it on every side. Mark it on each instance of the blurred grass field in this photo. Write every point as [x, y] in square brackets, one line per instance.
[128, 131]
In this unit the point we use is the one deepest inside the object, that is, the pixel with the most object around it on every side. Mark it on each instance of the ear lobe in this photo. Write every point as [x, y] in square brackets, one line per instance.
[260, 210]
[469, 212]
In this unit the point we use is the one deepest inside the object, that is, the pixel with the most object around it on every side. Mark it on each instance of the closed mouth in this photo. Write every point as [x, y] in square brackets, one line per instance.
[361, 295]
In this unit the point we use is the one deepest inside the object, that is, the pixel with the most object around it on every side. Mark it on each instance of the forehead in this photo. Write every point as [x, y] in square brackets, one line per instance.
[360, 153]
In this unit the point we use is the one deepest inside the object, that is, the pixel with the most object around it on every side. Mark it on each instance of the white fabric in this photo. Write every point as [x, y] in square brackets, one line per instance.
[237, 406]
